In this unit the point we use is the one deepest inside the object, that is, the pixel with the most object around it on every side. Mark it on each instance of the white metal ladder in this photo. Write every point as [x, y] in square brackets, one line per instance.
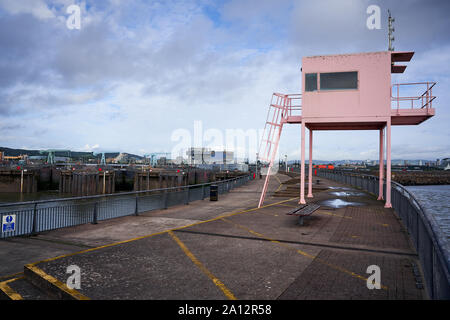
[279, 110]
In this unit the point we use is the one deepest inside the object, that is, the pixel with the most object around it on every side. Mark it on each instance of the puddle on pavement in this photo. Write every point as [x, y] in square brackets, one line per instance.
[339, 203]
[347, 193]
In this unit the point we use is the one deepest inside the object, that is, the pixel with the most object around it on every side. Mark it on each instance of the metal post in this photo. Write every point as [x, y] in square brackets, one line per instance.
[285, 162]
[398, 97]
[34, 227]
[381, 166]
[257, 155]
[21, 181]
[302, 170]
[136, 208]
[388, 165]
[310, 195]
[104, 182]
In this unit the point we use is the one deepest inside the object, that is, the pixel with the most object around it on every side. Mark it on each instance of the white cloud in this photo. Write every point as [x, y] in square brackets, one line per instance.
[138, 70]
[37, 8]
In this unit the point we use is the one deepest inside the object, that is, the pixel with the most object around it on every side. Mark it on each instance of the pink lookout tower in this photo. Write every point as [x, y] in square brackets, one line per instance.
[347, 92]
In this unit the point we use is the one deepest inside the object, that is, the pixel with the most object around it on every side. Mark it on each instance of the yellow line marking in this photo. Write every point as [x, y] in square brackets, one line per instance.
[281, 184]
[61, 286]
[279, 187]
[11, 275]
[205, 270]
[159, 233]
[278, 179]
[13, 295]
[355, 275]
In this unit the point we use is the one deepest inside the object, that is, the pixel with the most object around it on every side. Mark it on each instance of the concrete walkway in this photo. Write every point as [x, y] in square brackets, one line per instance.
[230, 249]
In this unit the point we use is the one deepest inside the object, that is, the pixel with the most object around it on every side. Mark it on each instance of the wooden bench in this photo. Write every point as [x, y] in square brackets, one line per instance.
[303, 211]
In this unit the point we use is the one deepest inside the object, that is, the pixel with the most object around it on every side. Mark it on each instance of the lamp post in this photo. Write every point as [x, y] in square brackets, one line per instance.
[21, 181]
[104, 182]
[285, 162]
[256, 165]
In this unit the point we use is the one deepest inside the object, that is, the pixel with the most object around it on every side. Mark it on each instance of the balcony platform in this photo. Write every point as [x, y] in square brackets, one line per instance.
[411, 116]
[398, 117]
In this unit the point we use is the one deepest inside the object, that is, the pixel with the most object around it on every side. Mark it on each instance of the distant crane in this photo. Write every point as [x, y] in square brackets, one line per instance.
[154, 155]
[103, 159]
[51, 154]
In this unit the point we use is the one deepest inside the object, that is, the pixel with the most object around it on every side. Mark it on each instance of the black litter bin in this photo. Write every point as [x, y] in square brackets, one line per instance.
[214, 193]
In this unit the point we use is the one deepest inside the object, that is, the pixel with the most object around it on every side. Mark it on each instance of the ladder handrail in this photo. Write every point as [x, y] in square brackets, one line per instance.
[282, 106]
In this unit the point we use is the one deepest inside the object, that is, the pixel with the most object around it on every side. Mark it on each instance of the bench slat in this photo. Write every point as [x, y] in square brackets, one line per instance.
[304, 210]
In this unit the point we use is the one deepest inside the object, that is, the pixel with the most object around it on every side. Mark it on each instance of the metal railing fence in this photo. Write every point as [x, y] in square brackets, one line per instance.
[432, 245]
[400, 101]
[32, 217]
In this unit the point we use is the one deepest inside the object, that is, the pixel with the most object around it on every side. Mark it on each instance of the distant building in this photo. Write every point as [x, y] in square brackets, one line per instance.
[219, 157]
[199, 156]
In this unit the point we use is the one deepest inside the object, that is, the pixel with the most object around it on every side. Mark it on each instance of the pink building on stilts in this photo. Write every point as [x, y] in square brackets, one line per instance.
[348, 92]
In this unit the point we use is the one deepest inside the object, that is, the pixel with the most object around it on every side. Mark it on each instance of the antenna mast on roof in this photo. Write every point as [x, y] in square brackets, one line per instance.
[390, 31]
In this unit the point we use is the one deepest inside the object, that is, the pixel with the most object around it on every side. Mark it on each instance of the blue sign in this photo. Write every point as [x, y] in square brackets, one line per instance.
[9, 223]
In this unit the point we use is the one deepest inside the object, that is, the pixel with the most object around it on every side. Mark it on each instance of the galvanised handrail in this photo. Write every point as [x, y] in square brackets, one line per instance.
[2, 205]
[33, 217]
[429, 240]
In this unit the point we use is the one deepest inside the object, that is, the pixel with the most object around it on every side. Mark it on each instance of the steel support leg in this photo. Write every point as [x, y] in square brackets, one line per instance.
[381, 169]
[310, 195]
[388, 165]
[302, 169]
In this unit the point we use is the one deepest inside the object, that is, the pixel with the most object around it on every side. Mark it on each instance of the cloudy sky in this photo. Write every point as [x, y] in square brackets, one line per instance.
[138, 71]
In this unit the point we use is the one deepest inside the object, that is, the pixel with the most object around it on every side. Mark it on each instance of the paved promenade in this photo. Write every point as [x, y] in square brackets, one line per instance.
[227, 249]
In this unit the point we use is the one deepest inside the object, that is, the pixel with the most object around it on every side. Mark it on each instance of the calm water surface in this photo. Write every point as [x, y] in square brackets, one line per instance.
[436, 200]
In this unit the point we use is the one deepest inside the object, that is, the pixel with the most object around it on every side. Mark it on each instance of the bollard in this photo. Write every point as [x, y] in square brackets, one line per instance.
[214, 193]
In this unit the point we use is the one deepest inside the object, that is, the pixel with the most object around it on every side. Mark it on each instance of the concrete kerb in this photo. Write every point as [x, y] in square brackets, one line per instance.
[50, 285]
[7, 293]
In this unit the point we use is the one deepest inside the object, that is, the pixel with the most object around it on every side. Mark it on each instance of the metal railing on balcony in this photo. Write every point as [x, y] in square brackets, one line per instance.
[293, 105]
[403, 95]
[282, 106]
[33, 217]
[431, 243]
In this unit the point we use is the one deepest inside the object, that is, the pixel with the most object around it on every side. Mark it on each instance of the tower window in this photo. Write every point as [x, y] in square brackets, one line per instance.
[339, 80]
[310, 81]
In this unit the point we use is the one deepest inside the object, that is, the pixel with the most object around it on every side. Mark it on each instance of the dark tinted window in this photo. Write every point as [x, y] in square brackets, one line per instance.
[310, 81]
[339, 80]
